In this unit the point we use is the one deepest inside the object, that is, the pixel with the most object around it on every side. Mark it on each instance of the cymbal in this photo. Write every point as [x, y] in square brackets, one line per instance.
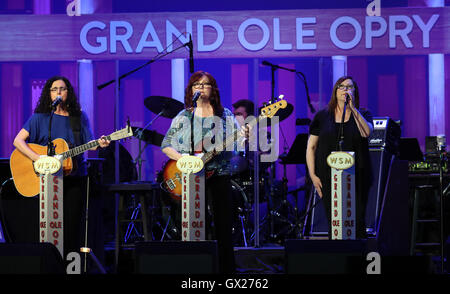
[148, 136]
[168, 106]
[282, 113]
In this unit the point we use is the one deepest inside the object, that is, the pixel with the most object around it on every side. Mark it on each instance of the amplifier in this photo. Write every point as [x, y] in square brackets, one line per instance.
[386, 134]
[426, 167]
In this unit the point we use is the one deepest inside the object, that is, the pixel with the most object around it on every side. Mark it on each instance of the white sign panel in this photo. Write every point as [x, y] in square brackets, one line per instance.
[51, 222]
[193, 207]
[343, 220]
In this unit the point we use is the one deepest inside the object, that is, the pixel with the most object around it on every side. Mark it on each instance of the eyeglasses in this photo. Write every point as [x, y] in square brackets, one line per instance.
[60, 89]
[199, 85]
[344, 87]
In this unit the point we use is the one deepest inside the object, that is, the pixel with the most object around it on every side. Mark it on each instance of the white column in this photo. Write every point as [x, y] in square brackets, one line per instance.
[87, 6]
[339, 67]
[436, 94]
[178, 84]
[41, 7]
[86, 88]
[436, 86]
[86, 72]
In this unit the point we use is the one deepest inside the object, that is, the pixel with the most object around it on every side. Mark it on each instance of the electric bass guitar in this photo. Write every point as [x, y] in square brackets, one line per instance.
[24, 175]
[172, 176]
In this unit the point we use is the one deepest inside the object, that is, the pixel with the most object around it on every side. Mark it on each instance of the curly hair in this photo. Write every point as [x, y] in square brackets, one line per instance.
[71, 105]
[214, 99]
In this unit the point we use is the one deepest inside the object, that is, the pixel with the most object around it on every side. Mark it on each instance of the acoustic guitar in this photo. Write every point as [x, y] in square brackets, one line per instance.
[24, 175]
[171, 175]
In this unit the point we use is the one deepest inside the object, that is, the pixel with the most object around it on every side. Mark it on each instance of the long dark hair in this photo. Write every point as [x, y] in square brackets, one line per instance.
[44, 105]
[333, 102]
[214, 99]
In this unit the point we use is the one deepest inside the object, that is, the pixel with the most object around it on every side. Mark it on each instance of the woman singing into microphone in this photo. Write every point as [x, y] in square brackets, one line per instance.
[71, 124]
[205, 116]
[323, 139]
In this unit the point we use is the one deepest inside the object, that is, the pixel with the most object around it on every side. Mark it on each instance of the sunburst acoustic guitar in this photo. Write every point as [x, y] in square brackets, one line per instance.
[24, 175]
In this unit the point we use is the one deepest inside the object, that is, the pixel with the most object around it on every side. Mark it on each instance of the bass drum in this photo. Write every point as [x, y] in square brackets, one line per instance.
[246, 181]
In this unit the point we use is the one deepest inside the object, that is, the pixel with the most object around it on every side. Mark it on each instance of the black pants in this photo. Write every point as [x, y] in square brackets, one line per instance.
[74, 203]
[219, 198]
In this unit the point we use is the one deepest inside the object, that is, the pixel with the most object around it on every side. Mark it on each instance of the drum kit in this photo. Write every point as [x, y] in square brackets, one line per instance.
[272, 194]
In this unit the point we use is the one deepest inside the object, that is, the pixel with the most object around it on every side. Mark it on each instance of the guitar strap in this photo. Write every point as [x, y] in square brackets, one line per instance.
[211, 136]
[75, 123]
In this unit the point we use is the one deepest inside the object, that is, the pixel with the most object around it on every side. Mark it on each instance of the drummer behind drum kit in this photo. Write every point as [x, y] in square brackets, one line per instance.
[274, 193]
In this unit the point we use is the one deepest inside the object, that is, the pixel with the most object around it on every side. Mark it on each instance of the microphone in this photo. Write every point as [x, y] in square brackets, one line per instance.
[347, 98]
[277, 66]
[268, 63]
[195, 98]
[191, 54]
[57, 101]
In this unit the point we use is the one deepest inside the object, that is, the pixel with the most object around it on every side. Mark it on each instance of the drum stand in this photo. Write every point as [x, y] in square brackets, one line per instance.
[139, 161]
[294, 223]
[296, 155]
[131, 225]
[139, 136]
[154, 221]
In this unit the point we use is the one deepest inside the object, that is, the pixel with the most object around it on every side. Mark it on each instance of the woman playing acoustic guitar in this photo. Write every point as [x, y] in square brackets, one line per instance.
[70, 124]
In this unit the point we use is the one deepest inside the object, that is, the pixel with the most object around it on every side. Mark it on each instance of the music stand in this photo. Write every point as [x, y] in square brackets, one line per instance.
[410, 150]
[297, 153]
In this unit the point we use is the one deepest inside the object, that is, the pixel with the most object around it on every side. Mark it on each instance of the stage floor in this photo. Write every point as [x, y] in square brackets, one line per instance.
[274, 258]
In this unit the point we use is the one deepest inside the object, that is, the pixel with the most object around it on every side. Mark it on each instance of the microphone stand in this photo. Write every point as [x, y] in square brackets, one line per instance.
[117, 91]
[141, 66]
[138, 159]
[86, 250]
[299, 73]
[341, 127]
[272, 168]
[50, 145]
[157, 57]
[272, 69]
[301, 220]
[192, 127]
[272, 235]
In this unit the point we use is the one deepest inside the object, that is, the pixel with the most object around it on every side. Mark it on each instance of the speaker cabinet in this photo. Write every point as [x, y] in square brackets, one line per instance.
[177, 257]
[393, 235]
[380, 164]
[325, 256]
[31, 258]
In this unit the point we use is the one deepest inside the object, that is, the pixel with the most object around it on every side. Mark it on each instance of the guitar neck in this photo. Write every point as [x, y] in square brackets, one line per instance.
[229, 140]
[80, 149]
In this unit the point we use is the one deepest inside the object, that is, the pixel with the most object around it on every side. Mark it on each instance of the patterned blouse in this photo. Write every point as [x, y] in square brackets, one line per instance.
[210, 133]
